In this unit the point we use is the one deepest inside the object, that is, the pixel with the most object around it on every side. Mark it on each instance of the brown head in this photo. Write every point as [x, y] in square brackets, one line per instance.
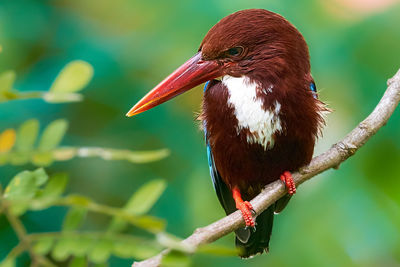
[257, 43]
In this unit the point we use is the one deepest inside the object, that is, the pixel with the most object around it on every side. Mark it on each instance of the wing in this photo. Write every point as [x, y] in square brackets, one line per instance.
[224, 194]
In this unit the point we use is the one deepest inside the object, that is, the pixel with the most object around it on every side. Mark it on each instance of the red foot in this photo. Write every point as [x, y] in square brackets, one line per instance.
[287, 178]
[245, 207]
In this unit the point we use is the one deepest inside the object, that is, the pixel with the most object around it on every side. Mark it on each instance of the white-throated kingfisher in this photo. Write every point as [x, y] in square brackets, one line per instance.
[261, 114]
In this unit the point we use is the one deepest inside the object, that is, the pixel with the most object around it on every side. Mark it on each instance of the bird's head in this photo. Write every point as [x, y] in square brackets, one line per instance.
[256, 43]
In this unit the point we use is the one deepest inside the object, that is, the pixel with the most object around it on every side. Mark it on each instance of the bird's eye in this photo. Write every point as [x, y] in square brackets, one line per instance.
[235, 51]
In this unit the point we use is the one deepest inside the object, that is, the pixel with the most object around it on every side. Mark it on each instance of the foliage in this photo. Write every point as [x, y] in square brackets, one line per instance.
[34, 190]
[18, 147]
[74, 77]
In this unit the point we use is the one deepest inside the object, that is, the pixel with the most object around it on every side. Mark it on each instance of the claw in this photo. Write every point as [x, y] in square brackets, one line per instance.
[250, 207]
[245, 207]
[253, 228]
[253, 212]
[287, 179]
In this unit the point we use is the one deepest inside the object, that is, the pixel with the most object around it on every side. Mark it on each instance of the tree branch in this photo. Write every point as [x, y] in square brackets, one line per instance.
[332, 158]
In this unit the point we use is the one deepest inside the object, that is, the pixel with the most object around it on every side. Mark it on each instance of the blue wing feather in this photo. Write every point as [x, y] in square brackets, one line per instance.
[221, 189]
[313, 89]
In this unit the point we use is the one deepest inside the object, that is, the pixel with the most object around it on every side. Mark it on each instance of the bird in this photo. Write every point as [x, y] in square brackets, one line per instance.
[260, 112]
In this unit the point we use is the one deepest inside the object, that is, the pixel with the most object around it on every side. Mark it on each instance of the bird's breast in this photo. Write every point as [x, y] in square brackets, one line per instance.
[248, 135]
[258, 123]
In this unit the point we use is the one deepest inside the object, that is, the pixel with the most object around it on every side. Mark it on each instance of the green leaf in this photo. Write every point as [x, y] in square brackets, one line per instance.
[41, 176]
[123, 249]
[77, 244]
[137, 250]
[61, 250]
[7, 80]
[21, 187]
[53, 134]
[82, 246]
[101, 251]
[73, 77]
[78, 262]
[43, 245]
[150, 223]
[55, 187]
[140, 202]
[26, 135]
[145, 197]
[74, 218]
[175, 259]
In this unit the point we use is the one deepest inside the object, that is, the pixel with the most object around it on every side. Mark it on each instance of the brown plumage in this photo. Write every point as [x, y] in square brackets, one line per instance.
[261, 120]
[275, 54]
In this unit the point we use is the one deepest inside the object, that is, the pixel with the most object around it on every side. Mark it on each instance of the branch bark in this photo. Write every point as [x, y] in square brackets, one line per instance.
[332, 158]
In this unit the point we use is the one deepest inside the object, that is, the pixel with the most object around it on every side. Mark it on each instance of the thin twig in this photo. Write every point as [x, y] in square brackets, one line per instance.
[338, 153]
[50, 97]
[25, 242]
[65, 153]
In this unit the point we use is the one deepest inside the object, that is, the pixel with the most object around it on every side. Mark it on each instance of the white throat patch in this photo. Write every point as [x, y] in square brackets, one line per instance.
[250, 113]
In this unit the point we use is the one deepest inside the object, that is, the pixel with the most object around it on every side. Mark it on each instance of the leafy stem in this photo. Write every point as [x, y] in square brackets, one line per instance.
[24, 239]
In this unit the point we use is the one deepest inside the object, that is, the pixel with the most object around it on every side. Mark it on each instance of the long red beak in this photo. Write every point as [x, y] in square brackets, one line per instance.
[193, 72]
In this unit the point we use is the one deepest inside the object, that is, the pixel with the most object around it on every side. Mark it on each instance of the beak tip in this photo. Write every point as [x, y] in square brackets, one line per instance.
[187, 76]
[130, 113]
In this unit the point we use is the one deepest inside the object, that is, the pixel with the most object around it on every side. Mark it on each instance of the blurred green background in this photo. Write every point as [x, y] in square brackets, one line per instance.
[345, 217]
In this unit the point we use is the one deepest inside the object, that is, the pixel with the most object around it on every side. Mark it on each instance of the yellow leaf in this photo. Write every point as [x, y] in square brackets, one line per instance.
[7, 140]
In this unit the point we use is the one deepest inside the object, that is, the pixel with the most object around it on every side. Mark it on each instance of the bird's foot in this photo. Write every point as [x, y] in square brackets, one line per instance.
[247, 212]
[287, 179]
[245, 208]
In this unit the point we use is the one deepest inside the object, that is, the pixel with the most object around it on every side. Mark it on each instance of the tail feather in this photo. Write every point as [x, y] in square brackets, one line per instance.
[252, 242]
